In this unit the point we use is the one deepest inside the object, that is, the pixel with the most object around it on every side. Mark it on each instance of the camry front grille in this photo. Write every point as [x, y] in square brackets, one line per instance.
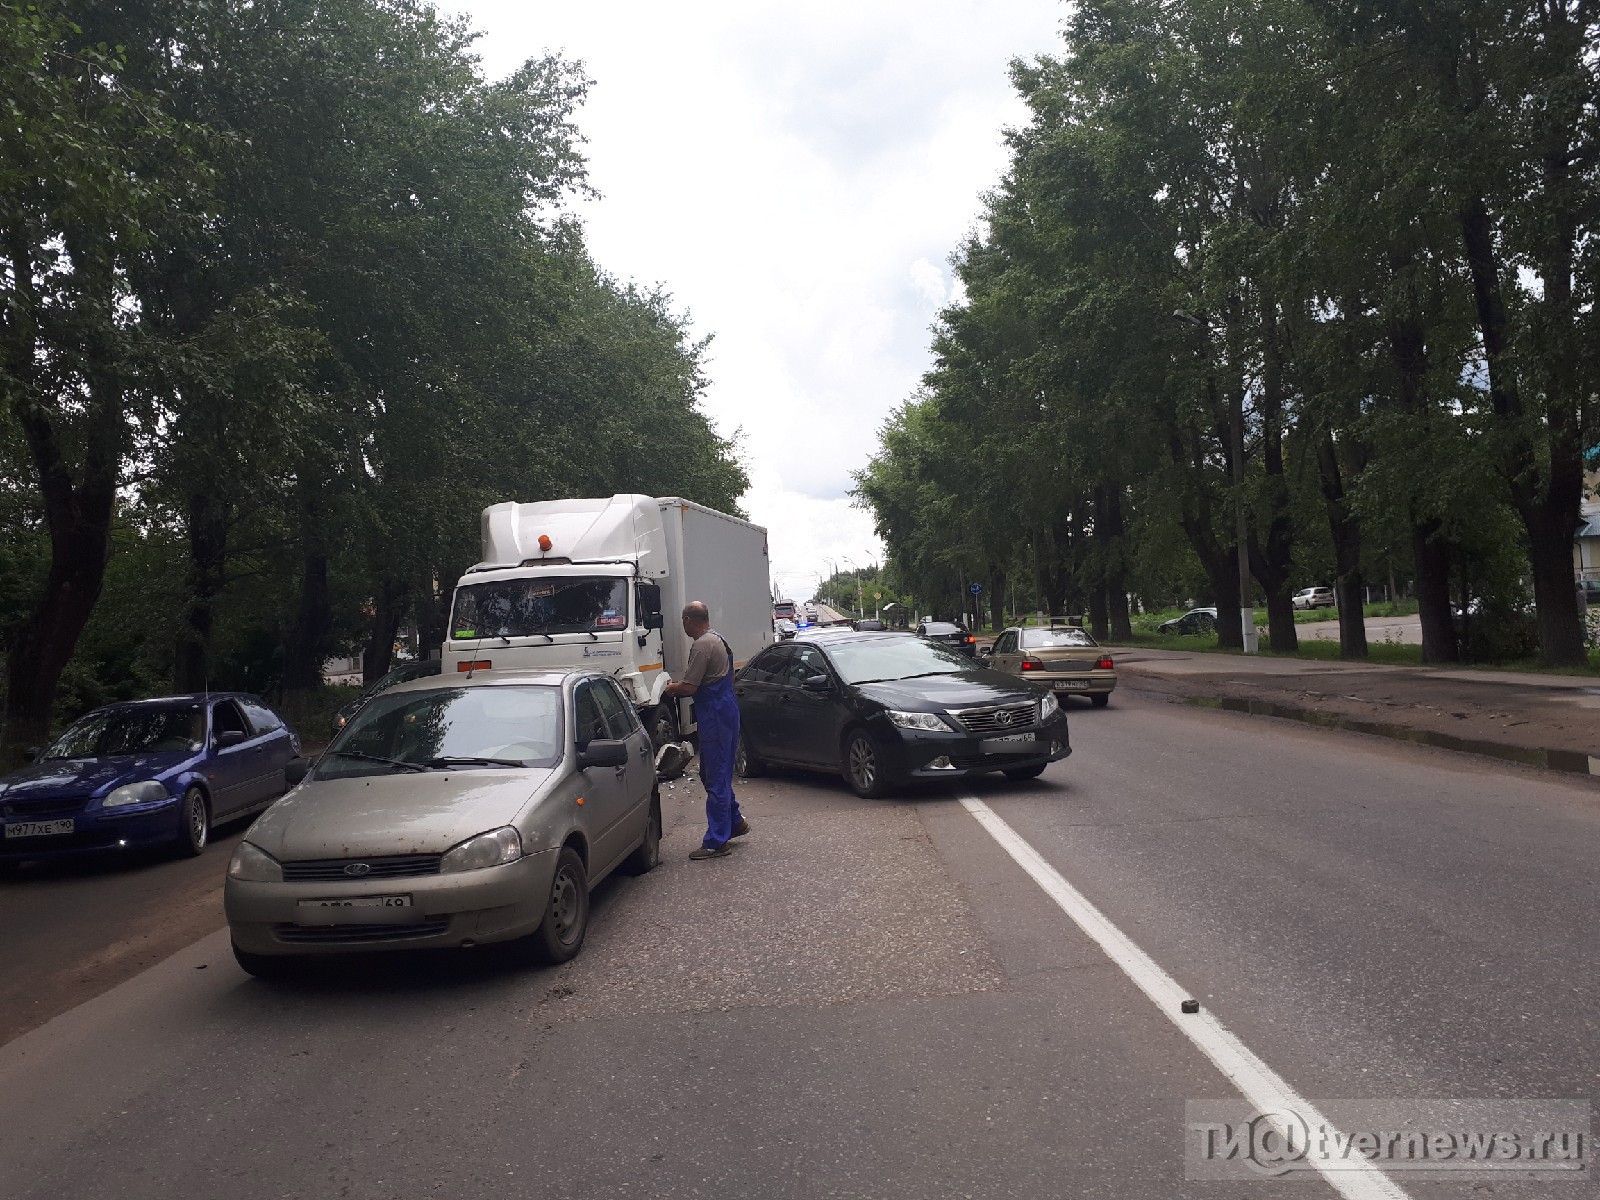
[325, 870]
[1002, 718]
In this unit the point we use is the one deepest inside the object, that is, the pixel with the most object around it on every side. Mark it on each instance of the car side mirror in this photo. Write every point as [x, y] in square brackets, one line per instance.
[295, 771]
[229, 737]
[655, 621]
[985, 651]
[32, 753]
[817, 683]
[603, 754]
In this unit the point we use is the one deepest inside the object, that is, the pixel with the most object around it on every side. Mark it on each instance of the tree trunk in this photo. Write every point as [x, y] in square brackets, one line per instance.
[997, 599]
[1345, 528]
[1097, 615]
[1432, 555]
[1546, 494]
[207, 575]
[1270, 557]
[1114, 561]
[78, 513]
[305, 648]
[389, 609]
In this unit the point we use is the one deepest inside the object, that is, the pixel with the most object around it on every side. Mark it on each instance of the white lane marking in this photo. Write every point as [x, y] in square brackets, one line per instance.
[1256, 1081]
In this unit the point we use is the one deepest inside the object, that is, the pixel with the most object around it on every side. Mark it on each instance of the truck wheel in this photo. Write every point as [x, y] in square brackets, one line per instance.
[662, 724]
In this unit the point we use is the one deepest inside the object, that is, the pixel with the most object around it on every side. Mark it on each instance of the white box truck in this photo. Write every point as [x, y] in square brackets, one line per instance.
[601, 583]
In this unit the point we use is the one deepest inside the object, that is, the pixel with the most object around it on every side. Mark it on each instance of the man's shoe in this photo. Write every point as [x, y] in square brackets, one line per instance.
[709, 852]
[739, 830]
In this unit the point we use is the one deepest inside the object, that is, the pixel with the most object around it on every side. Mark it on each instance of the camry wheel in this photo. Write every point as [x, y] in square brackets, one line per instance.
[196, 828]
[861, 768]
[745, 764]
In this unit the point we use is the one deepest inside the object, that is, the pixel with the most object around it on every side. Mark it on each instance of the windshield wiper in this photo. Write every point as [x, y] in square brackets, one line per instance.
[469, 760]
[378, 758]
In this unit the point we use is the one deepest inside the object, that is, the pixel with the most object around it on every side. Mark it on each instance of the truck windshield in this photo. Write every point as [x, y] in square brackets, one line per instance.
[525, 607]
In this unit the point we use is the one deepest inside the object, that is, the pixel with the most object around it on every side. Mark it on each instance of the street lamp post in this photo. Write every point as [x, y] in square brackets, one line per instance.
[1247, 612]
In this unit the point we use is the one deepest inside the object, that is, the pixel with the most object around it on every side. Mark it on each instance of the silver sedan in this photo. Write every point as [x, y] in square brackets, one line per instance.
[452, 812]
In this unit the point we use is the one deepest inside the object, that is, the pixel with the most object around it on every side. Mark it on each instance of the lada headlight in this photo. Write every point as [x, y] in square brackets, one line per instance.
[492, 849]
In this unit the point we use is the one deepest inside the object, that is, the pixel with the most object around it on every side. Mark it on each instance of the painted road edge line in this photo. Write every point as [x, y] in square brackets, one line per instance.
[1257, 1082]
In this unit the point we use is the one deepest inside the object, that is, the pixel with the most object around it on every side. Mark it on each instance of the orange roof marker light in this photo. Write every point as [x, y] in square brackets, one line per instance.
[545, 543]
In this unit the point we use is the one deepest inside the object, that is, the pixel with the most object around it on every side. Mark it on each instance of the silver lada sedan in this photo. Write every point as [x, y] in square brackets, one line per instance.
[474, 810]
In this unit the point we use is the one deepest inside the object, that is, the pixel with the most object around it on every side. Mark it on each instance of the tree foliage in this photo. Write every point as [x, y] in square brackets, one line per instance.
[288, 293]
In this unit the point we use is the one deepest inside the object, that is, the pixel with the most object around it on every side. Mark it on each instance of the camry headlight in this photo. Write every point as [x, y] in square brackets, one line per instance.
[492, 849]
[147, 792]
[907, 720]
[252, 864]
[1048, 706]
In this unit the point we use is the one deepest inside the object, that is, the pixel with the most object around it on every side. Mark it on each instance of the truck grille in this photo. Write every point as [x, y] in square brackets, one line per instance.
[1003, 718]
[324, 870]
[324, 934]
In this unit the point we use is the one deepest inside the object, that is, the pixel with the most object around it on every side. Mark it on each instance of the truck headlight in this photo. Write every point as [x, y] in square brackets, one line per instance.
[147, 792]
[1048, 706]
[252, 864]
[909, 720]
[492, 849]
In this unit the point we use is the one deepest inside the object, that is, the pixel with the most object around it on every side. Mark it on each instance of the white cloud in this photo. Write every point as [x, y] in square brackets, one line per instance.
[777, 168]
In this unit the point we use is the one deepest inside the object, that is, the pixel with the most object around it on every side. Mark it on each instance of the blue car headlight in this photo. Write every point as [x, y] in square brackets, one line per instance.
[148, 792]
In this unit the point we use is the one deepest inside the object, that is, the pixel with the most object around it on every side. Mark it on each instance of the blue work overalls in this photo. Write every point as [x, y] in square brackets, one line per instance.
[716, 713]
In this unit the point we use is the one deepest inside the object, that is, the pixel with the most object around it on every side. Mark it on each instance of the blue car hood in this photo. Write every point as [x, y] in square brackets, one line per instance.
[62, 777]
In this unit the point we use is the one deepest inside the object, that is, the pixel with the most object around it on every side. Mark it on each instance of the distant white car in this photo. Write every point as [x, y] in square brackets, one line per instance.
[1315, 597]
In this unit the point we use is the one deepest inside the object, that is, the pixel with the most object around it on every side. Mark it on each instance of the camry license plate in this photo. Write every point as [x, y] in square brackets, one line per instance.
[21, 829]
[1011, 743]
[1071, 683]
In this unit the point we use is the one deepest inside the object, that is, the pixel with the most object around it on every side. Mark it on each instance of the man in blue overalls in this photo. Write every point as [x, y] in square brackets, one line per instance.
[708, 677]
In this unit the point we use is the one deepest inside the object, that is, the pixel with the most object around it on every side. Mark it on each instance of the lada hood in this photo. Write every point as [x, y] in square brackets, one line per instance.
[412, 812]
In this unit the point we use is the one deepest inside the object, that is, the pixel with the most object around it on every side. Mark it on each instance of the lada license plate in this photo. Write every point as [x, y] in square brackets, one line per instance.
[1011, 743]
[22, 829]
[355, 910]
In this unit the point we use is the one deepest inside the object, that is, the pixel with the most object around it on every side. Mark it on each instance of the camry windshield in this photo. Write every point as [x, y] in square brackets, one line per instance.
[872, 660]
[1045, 639]
[528, 607]
[144, 730]
[446, 728]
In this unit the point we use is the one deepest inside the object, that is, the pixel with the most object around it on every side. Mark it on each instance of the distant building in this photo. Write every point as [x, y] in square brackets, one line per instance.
[1586, 544]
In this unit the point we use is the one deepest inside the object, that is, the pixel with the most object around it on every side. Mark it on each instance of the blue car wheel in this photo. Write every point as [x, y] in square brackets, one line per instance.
[195, 823]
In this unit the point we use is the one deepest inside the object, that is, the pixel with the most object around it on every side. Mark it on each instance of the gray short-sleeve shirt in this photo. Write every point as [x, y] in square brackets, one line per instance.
[708, 659]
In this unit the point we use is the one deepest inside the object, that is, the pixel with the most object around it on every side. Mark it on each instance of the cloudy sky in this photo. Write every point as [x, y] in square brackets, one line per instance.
[796, 176]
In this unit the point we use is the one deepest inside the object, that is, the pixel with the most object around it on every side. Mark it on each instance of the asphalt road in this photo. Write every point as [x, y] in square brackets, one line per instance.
[875, 999]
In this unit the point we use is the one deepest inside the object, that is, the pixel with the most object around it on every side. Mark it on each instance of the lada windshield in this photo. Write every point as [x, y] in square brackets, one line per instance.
[508, 608]
[449, 728]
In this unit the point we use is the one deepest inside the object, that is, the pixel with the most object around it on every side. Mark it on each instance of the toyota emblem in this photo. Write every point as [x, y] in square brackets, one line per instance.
[1002, 718]
[357, 868]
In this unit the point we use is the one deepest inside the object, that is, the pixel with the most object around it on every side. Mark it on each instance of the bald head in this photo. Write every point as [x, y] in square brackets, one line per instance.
[696, 618]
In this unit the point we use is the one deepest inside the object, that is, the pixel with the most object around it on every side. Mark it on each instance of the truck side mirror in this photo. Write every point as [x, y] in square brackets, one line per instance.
[655, 620]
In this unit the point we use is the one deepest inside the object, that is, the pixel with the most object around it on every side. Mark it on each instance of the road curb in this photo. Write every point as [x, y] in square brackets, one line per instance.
[1571, 762]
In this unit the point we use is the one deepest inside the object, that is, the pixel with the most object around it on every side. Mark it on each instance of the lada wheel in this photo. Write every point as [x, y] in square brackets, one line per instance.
[647, 856]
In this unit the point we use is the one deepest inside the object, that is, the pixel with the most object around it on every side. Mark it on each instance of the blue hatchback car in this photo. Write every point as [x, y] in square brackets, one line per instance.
[147, 773]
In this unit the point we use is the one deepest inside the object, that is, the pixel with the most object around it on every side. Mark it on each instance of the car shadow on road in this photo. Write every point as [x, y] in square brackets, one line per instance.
[361, 975]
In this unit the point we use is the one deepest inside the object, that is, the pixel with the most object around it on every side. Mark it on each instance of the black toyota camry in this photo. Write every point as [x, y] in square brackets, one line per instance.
[882, 709]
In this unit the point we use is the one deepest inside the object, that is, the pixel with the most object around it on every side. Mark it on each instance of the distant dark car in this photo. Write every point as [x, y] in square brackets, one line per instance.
[950, 634]
[405, 673]
[882, 709]
[147, 773]
[868, 625]
[1196, 620]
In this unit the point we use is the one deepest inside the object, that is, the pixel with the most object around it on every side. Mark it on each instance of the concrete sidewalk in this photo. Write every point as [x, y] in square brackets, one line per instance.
[1543, 720]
